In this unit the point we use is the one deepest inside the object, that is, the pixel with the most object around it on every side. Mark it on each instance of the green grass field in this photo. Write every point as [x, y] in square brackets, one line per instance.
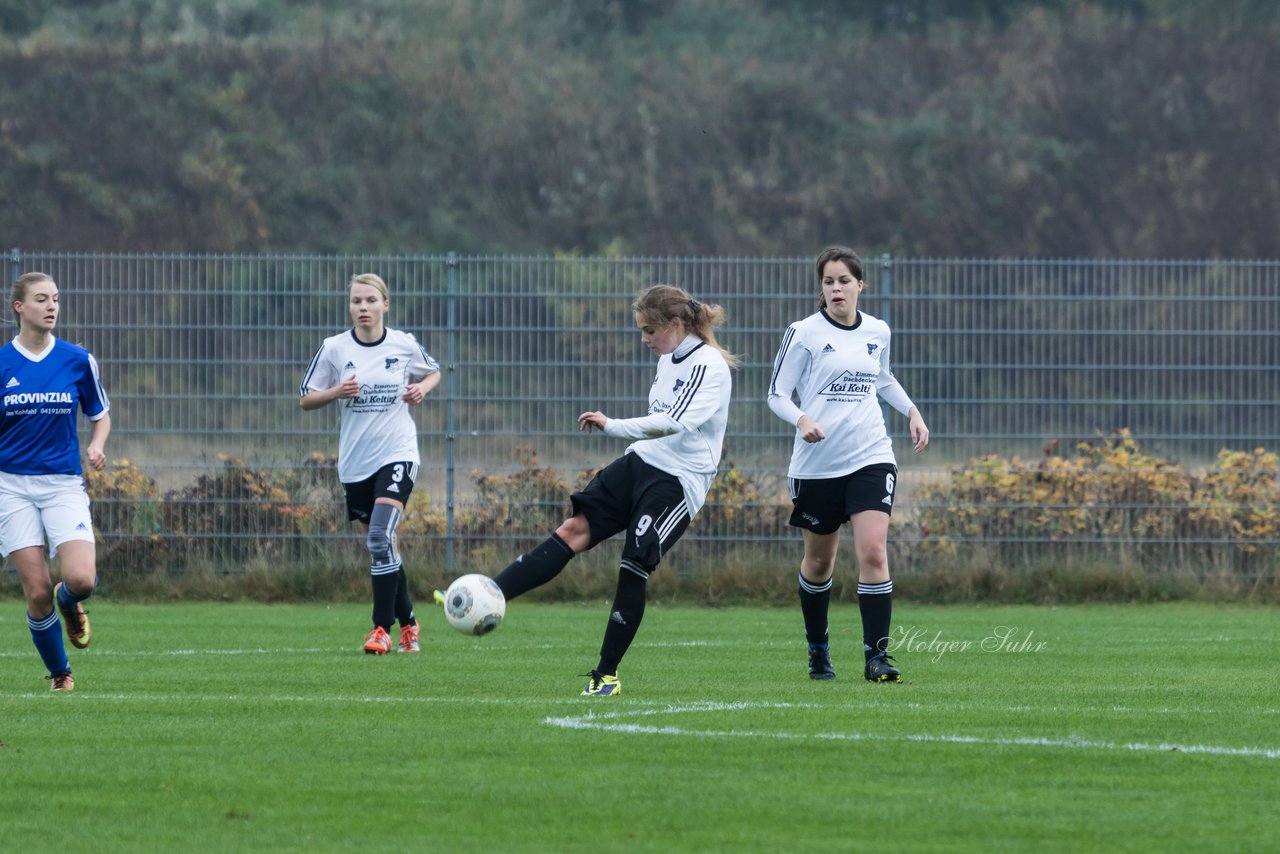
[234, 727]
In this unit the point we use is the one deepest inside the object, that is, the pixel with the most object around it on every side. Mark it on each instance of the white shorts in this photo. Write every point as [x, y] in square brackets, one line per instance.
[36, 506]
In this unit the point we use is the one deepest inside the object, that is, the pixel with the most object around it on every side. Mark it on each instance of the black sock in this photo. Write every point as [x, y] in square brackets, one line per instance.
[535, 567]
[404, 605]
[384, 599]
[624, 621]
[815, 601]
[875, 601]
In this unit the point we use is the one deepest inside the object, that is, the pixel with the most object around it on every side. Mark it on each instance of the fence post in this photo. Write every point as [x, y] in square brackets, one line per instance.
[15, 259]
[451, 398]
[886, 285]
[886, 290]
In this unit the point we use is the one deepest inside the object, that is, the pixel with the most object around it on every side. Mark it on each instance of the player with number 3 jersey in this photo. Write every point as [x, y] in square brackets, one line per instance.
[376, 374]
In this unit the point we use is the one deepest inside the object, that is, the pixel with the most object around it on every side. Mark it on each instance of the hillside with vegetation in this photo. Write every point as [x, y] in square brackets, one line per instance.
[1130, 128]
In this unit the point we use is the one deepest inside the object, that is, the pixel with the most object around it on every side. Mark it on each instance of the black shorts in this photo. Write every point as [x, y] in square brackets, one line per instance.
[822, 505]
[646, 502]
[394, 480]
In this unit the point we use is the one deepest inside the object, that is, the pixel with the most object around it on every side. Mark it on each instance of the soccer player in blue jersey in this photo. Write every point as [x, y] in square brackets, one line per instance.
[836, 362]
[654, 489]
[42, 496]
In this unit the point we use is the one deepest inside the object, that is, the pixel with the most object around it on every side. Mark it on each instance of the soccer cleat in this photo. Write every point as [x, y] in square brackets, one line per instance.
[600, 685]
[64, 682]
[880, 670]
[76, 621]
[377, 642]
[820, 664]
[438, 597]
[409, 639]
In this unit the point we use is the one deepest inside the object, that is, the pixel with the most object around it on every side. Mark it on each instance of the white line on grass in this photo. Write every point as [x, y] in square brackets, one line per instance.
[149, 653]
[597, 722]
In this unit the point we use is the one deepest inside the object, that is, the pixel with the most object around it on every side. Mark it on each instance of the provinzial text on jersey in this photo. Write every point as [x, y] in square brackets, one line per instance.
[26, 398]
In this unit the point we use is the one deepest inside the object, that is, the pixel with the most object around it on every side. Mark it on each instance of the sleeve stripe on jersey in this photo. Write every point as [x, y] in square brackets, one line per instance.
[432, 365]
[311, 369]
[686, 397]
[777, 362]
[97, 385]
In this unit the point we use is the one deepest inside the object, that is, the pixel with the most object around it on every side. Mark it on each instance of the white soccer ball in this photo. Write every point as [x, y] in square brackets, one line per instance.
[474, 604]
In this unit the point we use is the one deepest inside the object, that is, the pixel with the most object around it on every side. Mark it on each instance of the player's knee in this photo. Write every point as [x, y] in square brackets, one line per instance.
[378, 542]
[818, 568]
[576, 533]
[874, 559]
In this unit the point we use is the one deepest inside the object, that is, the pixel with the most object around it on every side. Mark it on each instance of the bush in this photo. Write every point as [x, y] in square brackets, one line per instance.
[126, 512]
[1138, 528]
[239, 515]
[1112, 496]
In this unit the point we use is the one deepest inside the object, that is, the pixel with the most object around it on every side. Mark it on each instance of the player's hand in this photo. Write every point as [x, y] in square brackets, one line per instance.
[919, 431]
[811, 431]
[413, 394]
[348, 389]
[589, 420]
[97, 457]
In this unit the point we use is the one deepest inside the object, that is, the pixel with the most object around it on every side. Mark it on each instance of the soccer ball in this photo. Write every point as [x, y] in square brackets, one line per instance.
[474, 604]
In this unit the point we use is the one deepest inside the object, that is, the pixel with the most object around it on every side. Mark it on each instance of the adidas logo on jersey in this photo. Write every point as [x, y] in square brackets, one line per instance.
[81, 527]
[13, 381]
[828, 349]
[349, 366]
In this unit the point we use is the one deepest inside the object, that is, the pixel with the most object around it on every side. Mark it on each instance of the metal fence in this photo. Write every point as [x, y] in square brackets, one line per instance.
[1014, 362]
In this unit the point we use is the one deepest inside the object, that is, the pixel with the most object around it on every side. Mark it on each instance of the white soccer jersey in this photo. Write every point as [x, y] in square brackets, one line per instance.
[376, 426]
[836, 370]
[683, 434]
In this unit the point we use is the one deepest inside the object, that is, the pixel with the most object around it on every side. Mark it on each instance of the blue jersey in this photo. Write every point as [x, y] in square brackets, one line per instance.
[42, 392]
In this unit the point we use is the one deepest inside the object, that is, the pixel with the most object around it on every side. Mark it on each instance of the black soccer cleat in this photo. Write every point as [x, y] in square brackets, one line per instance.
[879, 669]
[820, 664]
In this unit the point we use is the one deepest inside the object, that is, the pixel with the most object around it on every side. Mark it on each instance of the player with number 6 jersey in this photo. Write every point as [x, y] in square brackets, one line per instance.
[654, 489]
[836, 362]
[376, 373]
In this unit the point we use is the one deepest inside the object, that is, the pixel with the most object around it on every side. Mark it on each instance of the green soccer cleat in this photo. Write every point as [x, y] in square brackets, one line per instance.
[600, 685]
[880, 670]
[438, 596]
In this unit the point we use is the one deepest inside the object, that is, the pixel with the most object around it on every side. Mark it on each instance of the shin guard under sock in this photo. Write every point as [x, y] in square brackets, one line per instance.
[535, 567]
[875, 602]
[815, 602]
[624, 621]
